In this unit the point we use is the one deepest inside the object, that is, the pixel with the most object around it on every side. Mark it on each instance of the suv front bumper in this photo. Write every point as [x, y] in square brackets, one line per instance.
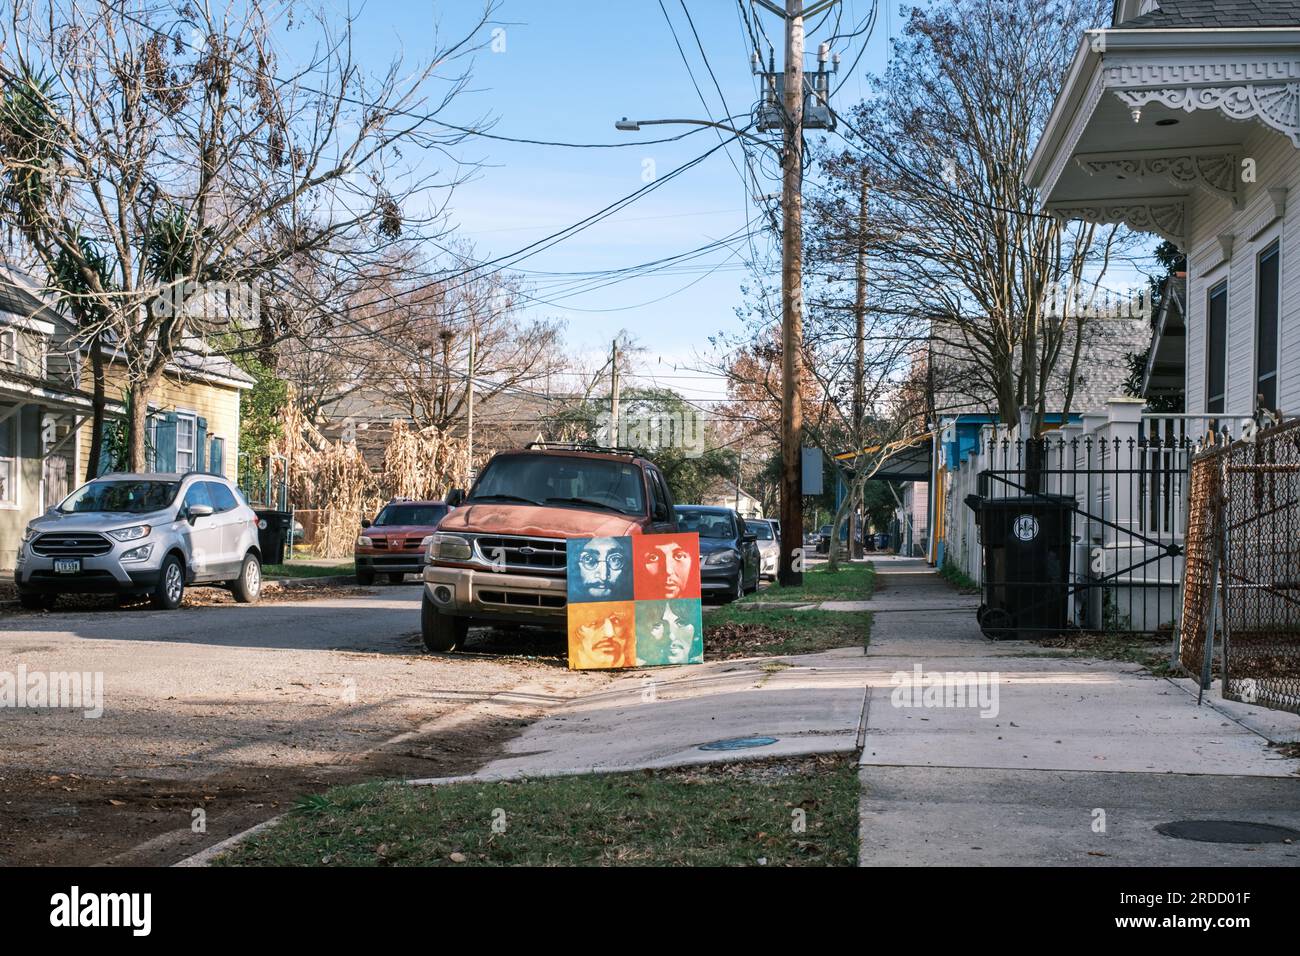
[384, 562]
[492, 596]
[101, 574]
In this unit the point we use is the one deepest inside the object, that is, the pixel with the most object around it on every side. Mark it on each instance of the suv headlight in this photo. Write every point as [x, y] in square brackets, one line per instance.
[449, 547]
[29, 533]
[364, 542]
[721, 559]
[133, 533]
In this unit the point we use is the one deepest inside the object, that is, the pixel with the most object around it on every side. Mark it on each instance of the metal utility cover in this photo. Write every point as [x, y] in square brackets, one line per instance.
[1227, 831]
[739, 743]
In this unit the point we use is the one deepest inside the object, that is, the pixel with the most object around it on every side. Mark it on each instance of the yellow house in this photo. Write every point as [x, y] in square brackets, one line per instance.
[193, 415]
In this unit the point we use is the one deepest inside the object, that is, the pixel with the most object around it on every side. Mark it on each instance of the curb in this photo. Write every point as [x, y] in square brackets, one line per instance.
[322, 581]
[205, 857]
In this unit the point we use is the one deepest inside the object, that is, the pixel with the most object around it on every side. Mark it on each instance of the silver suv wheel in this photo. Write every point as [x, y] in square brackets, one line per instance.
[175, 583]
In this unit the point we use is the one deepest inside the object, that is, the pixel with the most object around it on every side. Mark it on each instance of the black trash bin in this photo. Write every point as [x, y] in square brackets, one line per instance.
[273, 534]
[1027, 544]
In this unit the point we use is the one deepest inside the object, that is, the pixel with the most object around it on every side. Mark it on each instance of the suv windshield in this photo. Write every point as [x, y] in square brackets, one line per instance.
[423, 515]
[760, 529]
[707, 524]
[562, 480]
[132, 497]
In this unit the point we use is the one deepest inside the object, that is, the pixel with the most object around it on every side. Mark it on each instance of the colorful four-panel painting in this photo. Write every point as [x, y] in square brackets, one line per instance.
[634, 601]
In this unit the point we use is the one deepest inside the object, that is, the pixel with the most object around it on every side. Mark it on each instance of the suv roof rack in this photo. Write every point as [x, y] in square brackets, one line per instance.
[584, 446]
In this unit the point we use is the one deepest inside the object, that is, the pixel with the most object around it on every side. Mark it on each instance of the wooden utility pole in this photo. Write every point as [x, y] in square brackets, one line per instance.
[613, 396]
[469, 411]
[792, 301]
[859, 365]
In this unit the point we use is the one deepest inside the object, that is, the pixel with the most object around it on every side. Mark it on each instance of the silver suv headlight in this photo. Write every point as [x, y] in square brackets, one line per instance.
[133, 533]
[449, 547]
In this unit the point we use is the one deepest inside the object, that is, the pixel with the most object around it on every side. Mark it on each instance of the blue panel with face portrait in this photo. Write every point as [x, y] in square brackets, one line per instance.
[600, 569]
[669, 632]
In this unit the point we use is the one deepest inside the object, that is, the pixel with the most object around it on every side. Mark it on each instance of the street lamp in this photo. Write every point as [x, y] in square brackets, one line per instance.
[790, 566]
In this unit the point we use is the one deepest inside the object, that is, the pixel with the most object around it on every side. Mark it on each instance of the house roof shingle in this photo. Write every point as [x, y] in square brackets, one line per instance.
[1191, 14]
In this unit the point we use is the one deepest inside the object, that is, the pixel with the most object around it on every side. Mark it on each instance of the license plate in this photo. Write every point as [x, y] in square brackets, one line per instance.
[67, 565]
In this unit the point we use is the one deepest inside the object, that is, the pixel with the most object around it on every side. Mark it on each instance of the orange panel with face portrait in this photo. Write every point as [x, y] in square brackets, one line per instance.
[602, 634]
[666, 567]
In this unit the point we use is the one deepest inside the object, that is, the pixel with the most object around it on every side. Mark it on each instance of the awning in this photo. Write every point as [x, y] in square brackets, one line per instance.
[907, 460]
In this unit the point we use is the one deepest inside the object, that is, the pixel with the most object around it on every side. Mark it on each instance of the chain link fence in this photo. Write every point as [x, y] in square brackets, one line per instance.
[1243, 541]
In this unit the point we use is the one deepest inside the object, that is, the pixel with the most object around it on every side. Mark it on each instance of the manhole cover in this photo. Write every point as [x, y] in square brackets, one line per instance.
[739, 743]
[1227, 831]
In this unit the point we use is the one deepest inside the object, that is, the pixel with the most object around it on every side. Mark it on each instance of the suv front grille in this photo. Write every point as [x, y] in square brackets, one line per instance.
[523, 554]
[71, 544]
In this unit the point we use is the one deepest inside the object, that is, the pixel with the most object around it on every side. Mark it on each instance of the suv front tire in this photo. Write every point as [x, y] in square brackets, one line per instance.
[170, 589]
[36, 602]
[441, 632]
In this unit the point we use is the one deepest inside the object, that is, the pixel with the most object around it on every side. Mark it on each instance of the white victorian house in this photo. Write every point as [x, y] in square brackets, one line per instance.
[1183, 120]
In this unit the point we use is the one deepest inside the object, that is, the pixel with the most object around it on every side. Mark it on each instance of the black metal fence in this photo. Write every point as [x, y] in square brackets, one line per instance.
[1118, 567]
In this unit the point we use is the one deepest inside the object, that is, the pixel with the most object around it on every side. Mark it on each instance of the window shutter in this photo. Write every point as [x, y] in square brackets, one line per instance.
[217, 458]
[105, 464]
[200, 444]
[165, 454]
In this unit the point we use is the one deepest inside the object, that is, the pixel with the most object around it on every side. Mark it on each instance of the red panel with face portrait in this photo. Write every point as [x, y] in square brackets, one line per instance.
[666, 566]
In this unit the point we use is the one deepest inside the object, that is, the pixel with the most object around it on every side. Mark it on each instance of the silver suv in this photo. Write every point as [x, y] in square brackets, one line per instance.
[145, 534]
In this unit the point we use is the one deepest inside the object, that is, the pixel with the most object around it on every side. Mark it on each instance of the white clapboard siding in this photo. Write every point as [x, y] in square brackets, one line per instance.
[1277, 164]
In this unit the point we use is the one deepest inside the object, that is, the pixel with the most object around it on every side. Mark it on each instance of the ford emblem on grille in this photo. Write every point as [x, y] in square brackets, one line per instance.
[527, 549]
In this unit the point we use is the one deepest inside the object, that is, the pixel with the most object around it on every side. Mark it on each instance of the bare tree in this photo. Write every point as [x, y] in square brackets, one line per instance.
[173, 166]
[946, 140]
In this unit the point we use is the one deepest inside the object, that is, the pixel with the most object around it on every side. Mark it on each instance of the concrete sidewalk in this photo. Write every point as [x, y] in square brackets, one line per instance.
[661, 718]
[1062, 761]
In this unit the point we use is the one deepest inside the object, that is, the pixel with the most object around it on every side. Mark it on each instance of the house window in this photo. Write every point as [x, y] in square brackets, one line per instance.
[1216, 348]
[1266, 315]
[186, 430]
[9, 462]
[9, 347]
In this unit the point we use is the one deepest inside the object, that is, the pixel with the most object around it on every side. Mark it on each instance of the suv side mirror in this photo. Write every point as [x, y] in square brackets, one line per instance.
[455, 497]
[198, 511]
[365, 523]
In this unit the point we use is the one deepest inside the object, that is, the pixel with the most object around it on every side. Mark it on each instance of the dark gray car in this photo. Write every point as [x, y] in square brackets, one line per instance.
[729, 555]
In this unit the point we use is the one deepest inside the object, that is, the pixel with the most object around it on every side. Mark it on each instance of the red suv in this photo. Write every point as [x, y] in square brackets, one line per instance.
[394, 542]
[500, 557]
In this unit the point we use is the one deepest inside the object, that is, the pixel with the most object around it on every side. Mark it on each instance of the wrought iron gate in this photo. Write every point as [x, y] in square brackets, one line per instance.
[1126, 499]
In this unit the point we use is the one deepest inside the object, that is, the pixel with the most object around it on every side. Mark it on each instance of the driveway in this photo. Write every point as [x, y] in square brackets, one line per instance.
[215, 717]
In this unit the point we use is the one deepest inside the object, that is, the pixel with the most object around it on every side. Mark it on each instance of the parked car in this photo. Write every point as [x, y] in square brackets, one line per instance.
[729, 555]
[769, 545]
[395, 542]
[138, 534]
[500, 556]
[824, 539]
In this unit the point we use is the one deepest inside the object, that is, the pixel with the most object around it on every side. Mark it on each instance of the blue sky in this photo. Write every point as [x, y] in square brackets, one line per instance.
[568, 70]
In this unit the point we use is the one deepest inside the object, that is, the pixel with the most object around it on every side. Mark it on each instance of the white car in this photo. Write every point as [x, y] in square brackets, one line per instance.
[769, 545]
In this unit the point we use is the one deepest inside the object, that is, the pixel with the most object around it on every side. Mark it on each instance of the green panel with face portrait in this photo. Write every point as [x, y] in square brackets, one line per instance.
[634, 601]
